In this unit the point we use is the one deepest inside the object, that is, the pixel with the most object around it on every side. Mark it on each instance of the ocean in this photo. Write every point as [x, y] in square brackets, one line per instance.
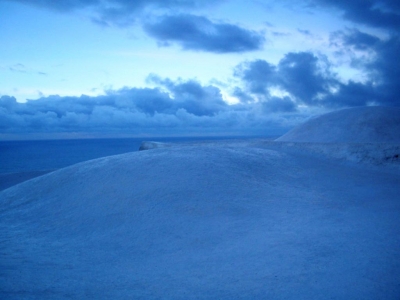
[24, 156]
[22, 160]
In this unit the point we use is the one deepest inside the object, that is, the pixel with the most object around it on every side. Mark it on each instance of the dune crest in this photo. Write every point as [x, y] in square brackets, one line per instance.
[353, 125]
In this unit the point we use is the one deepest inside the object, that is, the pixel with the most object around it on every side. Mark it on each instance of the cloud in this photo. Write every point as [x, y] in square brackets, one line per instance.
[63, 6]
[382, 65]
[21, 68]
[192, 96]
[127, 5]
[302, 78]
[116, 12]
[385, 70]
[352, 94]
[173, 108]
[376, 13]
[276, 104]
[304, 31]
[199, 33]
[301, 74]
[354, 38]
[190, 31]
[242, 95]
[258, 76]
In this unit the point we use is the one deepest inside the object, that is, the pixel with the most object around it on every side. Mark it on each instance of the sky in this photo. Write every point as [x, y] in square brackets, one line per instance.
[119, 68]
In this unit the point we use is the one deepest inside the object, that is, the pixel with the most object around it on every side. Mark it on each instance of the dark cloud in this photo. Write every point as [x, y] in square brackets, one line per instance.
[352, 94]
[126, 5]
[173, 108]
[258, 76]
[376, 13]
[308, 80]
[276, 104]
[62, 6]
[199, 33]
[242, 96]
[301, 74]
[190, 31]
[385, 70]
[382, 67]
[116, 12]
[143, 100]
[192, 96]
[354, 38]
[8, 103]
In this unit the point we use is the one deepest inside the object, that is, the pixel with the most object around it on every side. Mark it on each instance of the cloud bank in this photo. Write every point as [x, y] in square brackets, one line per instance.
[187, 107]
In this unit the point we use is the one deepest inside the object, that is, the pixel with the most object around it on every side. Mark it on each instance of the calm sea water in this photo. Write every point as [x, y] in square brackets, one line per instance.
[25, 156]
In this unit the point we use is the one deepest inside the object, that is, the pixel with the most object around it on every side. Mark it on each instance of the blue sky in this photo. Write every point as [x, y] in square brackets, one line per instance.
[91, 68]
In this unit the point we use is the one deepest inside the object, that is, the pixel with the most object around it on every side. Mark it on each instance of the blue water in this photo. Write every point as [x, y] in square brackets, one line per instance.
[25, 156]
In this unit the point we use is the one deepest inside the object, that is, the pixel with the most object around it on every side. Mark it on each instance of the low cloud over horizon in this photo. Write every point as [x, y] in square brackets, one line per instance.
[185, 108]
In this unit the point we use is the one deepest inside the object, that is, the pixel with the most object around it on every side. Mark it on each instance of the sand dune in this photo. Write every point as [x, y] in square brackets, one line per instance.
[218, 220]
